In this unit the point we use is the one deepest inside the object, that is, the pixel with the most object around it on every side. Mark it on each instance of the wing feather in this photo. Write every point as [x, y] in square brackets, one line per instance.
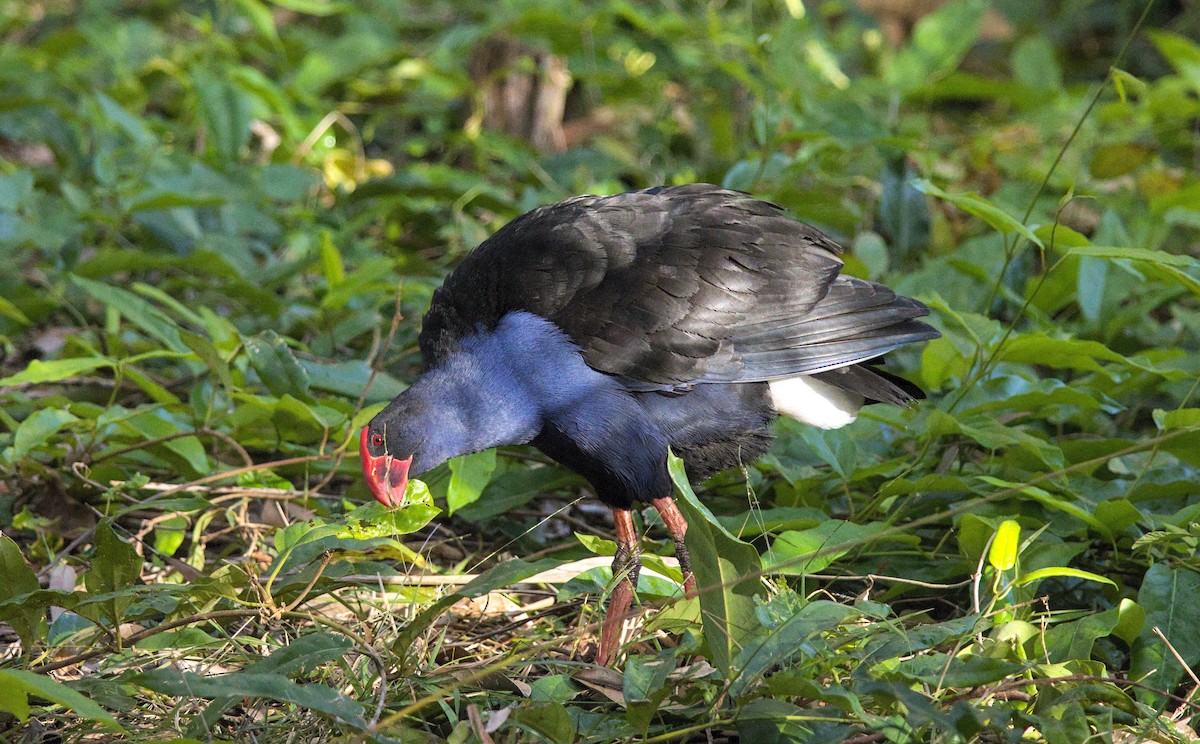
[674, 285]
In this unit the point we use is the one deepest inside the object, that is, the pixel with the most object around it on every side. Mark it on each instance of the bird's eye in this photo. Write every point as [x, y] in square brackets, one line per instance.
[377, 439]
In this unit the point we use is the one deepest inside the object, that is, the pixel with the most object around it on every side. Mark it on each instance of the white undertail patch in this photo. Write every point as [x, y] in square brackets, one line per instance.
[813, 402]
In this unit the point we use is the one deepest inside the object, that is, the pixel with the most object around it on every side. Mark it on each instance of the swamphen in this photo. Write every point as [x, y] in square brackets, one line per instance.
[604, 329]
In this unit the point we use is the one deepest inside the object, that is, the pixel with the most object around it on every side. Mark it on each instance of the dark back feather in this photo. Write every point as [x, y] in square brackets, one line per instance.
[674, 285]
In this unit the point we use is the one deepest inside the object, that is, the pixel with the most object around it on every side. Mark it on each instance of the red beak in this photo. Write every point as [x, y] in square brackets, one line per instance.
[386, 475]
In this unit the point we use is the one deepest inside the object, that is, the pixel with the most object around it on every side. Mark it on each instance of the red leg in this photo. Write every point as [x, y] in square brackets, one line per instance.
[626, 565]
[677, 526]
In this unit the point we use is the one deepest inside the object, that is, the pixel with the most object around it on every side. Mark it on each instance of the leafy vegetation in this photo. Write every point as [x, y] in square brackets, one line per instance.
[223, 221]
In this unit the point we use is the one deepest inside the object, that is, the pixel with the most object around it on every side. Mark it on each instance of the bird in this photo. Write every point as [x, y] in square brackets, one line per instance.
[607, 330]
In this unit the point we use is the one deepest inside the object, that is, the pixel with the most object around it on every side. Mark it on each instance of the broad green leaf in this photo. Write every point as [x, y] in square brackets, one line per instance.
[349, 379]
[771, 721]
[154, 322]
[157, 199]
[1075, 639]
[555, 688]
[550, 721]
[1052, 501]
[1112, 161]
[1034, 63]
[376, 520]
[277, 368]
[726, 575]
[1161, 258]
[498, 577]
[797, 552]
[505, 574]
[983, 209]
[1177, 419]
[645, 677]
[16, 579]
[1168, 597]
[12, 312]
[56, 692]
[315, 697]
[1075, 573]
[38, 428]
[1132, 618]
[225, 110]
[314, 7]
[938, 670]
[1166, 267]
[114, 570]
[208, 354]
[991, 434]
[1117, 515]
[53, 371]
[1003, 553]
[469, 475]
[1182, 53]
[776, 645]
[1061, 237]
[300, 656]
[331, 261]
[597, 545]
[939, 42]
[127, 122]
[156, 423]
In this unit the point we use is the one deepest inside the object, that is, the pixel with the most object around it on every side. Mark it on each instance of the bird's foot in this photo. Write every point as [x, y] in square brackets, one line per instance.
[626, 564]
[677, 526]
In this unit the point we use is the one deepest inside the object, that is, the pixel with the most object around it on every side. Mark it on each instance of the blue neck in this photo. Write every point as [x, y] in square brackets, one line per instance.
[500, 387]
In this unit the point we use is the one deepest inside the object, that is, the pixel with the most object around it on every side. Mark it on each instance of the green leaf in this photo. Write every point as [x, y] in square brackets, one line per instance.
[1003, 553]
[1178, 419]
[56, 692]
[331, 261]
[300, 656]
[1112, 161]
[1182, 53]
[1034, 63]
[550, 721]
[1075, 573]
[277, 368]
[497, 577]
[555, 688]
[1168, 597]
[983, 209]
[225, 111]
[770, 721]
[376, 520]
[597, 545]
[469, 475]
[157, 199]
[315, 697]
[797, 552]
[645, 677]
[38, 428]
[939, 42]
[505, 574]
[12, 312]
[783, 641]
[59, 369]
[208, 354]
[127, 122]
[115, 568]
[1161, 258]
[727, 571]
[16, 579]
[154, 322]
[1049, 500]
